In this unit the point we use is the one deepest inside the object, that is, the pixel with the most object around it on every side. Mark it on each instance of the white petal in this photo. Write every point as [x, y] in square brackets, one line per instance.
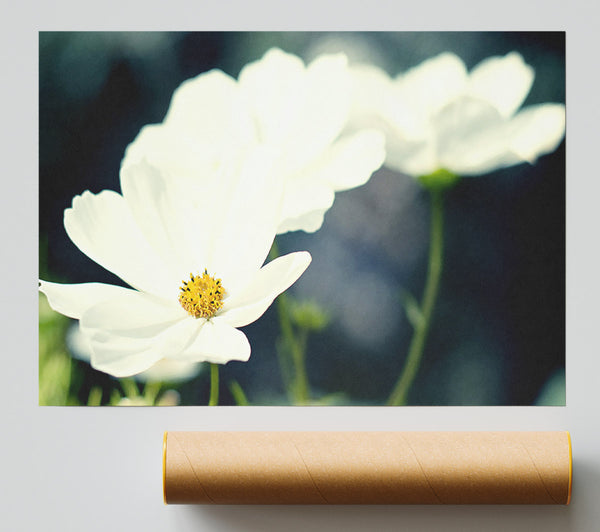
[218, 342]
[298, 110]
[210, 110]
[176, 153]
[74, 299]
[270, 281]
[484, 143]
[270, 85]
[502, 81]
[376, 106]
[124, 356]
[470, 137]
[170, 370]
[379, 103]
[348, 163]
[351, 161]
[432, 84]
[249, 210]
[370, 85]
[103, 228]
[326, 106]
[309, 222]
[302, 197]
[130, 334]
[164, 370]
[414, 160]
[132, 311]
[162, 217]
[537, 130]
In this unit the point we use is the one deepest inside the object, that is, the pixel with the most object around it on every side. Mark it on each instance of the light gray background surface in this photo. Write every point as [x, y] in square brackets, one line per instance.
[93, 469]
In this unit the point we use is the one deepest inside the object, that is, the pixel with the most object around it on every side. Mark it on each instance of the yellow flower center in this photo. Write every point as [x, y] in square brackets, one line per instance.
[202, 295]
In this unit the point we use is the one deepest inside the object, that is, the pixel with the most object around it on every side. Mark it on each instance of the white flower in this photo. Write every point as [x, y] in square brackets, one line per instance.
[439, 116]
[298, 111]
[194, 258]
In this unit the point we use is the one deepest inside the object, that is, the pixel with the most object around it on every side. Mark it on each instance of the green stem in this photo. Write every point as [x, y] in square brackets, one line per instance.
[151, 391]
[130, 388]
[238, 394]
[214, 385]
[298, 387]
[436, 246]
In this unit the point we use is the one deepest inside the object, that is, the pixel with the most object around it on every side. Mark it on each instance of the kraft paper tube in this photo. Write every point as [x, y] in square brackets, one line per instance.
[367, 467]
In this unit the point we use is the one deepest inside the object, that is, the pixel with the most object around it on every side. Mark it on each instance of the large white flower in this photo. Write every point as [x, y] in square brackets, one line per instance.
[298, 111]
[439, 116]
[194, 257]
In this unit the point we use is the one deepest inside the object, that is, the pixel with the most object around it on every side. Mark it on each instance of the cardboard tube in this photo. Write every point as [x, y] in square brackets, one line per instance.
[367, 467]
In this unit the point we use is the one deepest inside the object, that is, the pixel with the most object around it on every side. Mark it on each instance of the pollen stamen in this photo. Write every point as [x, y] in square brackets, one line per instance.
[202, 296]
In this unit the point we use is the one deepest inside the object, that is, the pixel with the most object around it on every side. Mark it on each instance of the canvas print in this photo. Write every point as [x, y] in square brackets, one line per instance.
[302, 218]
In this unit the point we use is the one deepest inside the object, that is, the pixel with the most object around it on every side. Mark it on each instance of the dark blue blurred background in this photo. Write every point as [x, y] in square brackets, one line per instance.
[498, 334]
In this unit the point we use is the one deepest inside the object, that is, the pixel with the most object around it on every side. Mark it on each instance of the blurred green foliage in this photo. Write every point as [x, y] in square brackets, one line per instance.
[55, 364]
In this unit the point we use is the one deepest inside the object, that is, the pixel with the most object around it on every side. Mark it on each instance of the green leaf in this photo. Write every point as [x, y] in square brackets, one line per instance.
[238, 394]
[412, 309]
[95, 396]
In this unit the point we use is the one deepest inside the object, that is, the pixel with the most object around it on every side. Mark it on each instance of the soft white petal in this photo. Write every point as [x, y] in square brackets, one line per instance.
[483, 143]
[270, 281]
[378, 102]
[130, 334]
[218, 342]
[102, 227]
[302, 197]
[270, 85]
[177, 153]
[414, 159]
[326, 106]
[487, 152]
[376, 105]
[158, 213]
[249, 210]
[504, 82]
[432, 84]
[164, 370]
[351, 160]
[308, 222]
[73, 300]
[470, 136]
[124, 356]
[170, 370]
[132, 312]
[369, 85]
[347, 163]
[300, 110]
[537, 130]
[210, 110]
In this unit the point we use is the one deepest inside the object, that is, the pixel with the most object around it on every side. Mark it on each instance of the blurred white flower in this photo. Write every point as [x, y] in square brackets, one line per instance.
[302, 111]
[438, 116]
[298, 111]
[165, 370]
[214, 235]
